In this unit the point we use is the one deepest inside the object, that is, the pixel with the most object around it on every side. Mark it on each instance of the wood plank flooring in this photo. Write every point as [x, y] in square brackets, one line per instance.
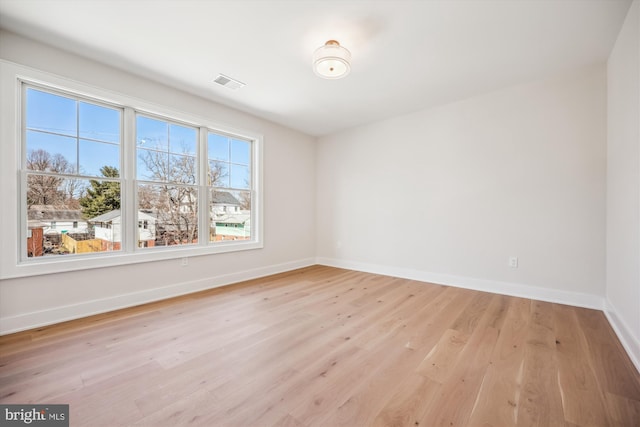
[328, 347]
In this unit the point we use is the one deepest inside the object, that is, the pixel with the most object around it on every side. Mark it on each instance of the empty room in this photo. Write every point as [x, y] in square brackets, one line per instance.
[327, 213]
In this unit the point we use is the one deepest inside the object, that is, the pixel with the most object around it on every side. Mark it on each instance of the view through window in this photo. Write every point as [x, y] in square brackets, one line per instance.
[73, 167]
[75, 185]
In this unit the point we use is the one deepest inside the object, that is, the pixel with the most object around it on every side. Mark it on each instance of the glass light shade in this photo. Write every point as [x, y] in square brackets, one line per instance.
[331, 61]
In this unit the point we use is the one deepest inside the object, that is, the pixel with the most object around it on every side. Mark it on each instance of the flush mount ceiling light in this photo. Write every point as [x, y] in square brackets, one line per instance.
[331, 61]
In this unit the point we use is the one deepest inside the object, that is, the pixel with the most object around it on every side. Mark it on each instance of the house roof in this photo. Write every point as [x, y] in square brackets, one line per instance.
[224, 198]
[36, 224]
[115, 214]
[53, 213]
[106, 217]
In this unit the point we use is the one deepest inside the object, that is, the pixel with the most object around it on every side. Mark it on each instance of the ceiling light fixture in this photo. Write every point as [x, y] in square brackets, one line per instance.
[331, 61]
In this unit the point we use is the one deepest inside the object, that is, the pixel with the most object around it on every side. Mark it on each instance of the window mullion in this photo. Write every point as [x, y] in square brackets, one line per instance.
[128, 202]
[203, 189]
[77, 136]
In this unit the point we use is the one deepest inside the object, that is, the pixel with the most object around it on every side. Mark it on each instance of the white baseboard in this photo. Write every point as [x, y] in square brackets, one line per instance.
[630, 343]
[512, 289]
[59, 314]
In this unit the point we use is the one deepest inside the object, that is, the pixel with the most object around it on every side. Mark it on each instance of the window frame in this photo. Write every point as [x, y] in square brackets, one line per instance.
[15, 262]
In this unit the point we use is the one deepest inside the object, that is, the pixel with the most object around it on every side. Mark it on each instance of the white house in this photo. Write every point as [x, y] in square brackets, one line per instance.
[231, 221]
[108, 227]
[223, 203]
[57, 220]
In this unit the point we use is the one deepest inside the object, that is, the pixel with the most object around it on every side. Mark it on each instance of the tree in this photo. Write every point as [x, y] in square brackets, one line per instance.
[245, 200]
[174, 198]
[102, 196]
[44, 189]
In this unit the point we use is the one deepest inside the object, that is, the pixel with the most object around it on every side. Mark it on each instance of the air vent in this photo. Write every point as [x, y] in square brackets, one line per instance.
[228, 82]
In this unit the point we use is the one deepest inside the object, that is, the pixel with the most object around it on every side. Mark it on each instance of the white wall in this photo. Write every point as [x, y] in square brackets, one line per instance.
[449, 194]
[623, 184]
[289, 227]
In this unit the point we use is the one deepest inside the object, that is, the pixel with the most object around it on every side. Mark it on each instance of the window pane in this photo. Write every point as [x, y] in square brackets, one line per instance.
[152, 165]
[100, 123]
[96, 155]
[50, 113]
[152, 133]
[54, 190]
[50, 152]
[173, 209]
[218, 174]
[230, 213]
[72, 216]
[182, 169]
[240, 152]
[218, 147]
[183, 140]
[174, 161]
[240, 176]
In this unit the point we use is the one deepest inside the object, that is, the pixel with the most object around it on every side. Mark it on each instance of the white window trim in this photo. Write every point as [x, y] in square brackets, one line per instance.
[12, 218]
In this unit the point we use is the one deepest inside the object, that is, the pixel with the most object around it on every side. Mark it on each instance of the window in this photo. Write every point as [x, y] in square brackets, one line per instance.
[100, 178]
[167, 176]
[72, 165]
[229, 179]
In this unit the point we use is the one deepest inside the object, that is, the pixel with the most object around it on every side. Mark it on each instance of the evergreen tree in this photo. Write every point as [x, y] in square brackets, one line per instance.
[102, 196]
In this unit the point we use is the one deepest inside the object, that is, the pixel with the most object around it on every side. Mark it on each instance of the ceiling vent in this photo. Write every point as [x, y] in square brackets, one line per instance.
[228, 82]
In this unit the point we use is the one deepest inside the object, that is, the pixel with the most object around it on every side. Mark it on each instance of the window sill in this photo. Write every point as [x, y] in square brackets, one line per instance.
[65, 263]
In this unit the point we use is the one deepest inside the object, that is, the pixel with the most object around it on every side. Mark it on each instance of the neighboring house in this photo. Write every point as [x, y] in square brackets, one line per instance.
[47, 225]
[231, 221]
[57, 220]
[233, 227]
[223, 203]
[108, 227]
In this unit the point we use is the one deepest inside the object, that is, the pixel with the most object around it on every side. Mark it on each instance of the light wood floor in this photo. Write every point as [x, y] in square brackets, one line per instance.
[329, 347]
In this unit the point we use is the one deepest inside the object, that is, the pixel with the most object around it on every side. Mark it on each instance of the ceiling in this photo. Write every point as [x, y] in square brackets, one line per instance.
[406, 55]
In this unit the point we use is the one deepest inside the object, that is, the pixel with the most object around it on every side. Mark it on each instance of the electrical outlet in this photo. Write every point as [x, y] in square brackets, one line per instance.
[185, 262]
[513, 262]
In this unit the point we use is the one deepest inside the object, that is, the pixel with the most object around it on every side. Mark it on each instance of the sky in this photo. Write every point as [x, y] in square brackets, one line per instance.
[89, 137]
